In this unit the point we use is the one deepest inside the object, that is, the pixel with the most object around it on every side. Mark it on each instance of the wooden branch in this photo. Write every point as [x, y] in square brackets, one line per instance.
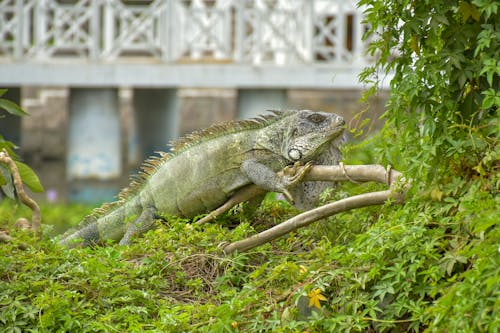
[18, 184]
[355, 173]
[358, 173]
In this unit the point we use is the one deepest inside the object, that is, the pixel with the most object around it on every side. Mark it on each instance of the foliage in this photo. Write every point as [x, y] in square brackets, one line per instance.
[430, 265]
[444, 100]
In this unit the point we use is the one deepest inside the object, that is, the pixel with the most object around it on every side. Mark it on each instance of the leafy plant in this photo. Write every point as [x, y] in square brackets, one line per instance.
[430, 265]
[443, 106]
[27, 175]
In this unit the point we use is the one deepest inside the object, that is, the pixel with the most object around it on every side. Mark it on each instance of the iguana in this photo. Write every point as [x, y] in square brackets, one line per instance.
[207, 167]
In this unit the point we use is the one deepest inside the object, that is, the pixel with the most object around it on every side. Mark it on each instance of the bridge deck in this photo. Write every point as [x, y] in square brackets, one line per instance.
[168, 75]
[200, 43]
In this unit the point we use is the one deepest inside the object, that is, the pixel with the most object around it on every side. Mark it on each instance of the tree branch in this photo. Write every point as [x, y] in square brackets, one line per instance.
[358, 173]
[18, 184]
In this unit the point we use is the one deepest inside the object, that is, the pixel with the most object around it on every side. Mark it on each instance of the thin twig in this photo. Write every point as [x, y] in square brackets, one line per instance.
[25, 199]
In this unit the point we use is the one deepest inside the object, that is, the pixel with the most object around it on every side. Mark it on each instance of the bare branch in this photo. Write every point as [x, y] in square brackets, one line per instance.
[359, 173]
[18, 184]
[355, 173]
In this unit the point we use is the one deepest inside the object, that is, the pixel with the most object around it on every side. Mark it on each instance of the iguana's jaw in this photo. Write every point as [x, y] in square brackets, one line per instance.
[335, 134]
[306, 147]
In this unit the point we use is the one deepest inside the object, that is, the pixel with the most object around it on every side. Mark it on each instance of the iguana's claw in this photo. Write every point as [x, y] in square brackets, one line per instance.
[291, 170]
[288, 196]
[294, 174]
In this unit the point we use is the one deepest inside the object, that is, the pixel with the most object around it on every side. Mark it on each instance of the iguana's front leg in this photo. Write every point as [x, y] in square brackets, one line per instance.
[246, 193]
[249, 192]
[269, 180]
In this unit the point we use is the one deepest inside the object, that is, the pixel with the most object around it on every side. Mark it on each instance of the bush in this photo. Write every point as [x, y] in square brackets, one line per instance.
[430, 265]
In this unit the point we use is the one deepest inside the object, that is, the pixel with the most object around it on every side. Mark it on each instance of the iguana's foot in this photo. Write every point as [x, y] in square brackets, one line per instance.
[292, 175]
[295, 173]
[261, 175]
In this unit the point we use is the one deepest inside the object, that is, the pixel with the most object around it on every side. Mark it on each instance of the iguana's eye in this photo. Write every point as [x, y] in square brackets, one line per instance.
[294, 154]
[316, 118]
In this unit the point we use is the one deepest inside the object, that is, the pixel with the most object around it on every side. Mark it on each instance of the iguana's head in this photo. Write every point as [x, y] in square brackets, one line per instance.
[307, 133]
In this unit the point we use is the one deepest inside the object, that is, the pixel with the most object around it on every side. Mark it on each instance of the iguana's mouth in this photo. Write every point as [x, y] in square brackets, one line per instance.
[337, 131]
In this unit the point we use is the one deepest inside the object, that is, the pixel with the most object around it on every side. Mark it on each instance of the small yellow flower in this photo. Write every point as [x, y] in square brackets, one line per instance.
[303, 269]
[234, 324]
[314, 297]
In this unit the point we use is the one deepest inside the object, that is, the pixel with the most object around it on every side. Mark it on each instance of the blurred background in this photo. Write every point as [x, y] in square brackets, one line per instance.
[109, 82]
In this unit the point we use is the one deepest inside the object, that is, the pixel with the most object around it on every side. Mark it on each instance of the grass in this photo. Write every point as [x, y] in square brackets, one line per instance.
[430, 265]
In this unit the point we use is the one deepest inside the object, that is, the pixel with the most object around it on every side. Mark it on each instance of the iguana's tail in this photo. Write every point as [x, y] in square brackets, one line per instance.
[110, 226]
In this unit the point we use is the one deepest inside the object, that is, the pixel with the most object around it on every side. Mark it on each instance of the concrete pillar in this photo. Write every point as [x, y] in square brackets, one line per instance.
[94, 162]
[157, 118]
[253, 102]
[10, 125]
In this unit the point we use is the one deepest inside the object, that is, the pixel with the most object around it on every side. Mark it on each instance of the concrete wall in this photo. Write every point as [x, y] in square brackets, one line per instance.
[345, 103]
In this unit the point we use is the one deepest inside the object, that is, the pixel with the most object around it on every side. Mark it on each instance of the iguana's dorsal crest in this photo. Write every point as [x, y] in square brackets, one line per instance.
[225, 128]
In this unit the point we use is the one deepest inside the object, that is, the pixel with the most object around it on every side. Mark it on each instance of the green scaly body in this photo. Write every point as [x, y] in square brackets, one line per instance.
[208, 167]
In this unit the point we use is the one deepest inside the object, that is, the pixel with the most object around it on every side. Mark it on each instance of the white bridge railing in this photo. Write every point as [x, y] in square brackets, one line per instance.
[279, 32]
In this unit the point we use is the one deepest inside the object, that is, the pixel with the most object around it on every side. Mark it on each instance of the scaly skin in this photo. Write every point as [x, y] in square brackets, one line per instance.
[307, 194]
[205, 171]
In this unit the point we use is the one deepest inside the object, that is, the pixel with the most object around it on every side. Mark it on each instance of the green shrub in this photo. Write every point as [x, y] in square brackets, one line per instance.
[430, 265]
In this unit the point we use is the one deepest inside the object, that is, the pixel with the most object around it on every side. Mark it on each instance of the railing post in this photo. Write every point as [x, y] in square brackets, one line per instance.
[94, 30]
[309, 30]
[357, 38]
[164, 31]
[239, 26]
[18, 46]
[171, 40]
[40, 16]
[253, 32]
[341, 34]
[108, 29]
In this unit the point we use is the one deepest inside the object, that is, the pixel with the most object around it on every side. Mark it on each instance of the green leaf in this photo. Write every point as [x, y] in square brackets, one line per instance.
[414, 44]
[488, 102]
[11, 107]
[7, 188]
[491, 98]
[2, 92]
[467, 10]
[29, 177]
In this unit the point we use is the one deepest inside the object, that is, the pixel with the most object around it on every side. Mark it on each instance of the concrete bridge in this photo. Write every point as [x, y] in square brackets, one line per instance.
[260, 50]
